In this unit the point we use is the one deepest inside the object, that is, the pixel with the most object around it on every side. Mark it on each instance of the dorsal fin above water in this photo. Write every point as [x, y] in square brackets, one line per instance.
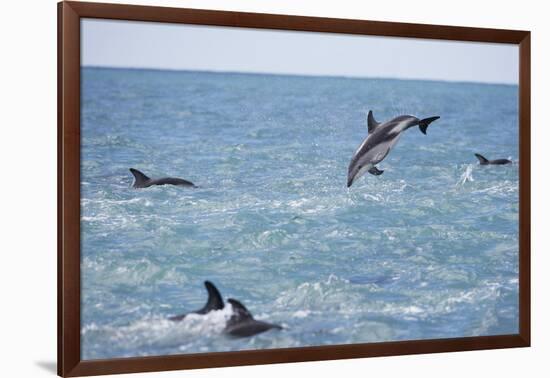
[240, 312]
[140, 178]
[371, 122]
[482, 159]
[215, 301]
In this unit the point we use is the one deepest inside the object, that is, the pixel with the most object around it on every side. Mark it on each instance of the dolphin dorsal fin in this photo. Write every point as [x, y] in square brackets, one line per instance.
[215, 301]
[140, 177]
[371, 122]
[240, 312]
[482, 159]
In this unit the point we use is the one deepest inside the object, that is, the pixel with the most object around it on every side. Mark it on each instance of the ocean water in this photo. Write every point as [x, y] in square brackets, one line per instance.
[427, 250]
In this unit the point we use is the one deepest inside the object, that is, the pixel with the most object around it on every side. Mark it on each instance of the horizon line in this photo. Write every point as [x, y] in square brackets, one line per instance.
[259, 73]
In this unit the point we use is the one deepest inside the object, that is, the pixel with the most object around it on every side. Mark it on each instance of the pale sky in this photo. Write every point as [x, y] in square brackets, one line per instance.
[131, 44]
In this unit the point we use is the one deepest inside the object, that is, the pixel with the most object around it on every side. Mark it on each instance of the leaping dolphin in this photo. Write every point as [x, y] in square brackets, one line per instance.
[380, 140]
[240, 324]
[484, 161]
[143, 181]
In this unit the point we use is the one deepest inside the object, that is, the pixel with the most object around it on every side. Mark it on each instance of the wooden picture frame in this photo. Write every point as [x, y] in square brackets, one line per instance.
[69, 332]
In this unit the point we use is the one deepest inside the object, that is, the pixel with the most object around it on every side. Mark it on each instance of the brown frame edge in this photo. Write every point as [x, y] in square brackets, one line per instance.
[69, 14]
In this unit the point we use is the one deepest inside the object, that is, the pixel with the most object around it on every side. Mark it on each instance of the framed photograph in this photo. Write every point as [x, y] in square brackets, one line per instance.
[240, 188]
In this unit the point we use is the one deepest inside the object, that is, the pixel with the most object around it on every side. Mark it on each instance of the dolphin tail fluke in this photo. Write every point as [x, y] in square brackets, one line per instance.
[140, 178]
[215, 301]
[424, 123]
[482, 159]
[375, 171]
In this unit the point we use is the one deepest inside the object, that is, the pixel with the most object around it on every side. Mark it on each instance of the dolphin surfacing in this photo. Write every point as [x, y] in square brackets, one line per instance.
[243, 324]
[485, 161]
[240, 324]
[143, 181]
[381, 138]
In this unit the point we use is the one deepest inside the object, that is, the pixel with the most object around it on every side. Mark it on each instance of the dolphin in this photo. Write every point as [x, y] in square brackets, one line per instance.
[142, 181]
[215, 302]
[484, 161]
[242, 323]
[380, 140]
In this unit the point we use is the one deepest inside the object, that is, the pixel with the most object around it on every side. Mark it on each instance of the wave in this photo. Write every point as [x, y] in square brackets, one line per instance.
[158, 332]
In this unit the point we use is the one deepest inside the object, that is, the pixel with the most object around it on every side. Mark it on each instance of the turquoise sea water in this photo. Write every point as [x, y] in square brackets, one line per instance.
[427, 250]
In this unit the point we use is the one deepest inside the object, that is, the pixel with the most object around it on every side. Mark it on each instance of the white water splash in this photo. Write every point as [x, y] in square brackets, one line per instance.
[467, 175]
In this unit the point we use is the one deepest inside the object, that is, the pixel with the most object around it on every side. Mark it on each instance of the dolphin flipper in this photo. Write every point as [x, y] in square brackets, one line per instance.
[375, 171]
[371, 122]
